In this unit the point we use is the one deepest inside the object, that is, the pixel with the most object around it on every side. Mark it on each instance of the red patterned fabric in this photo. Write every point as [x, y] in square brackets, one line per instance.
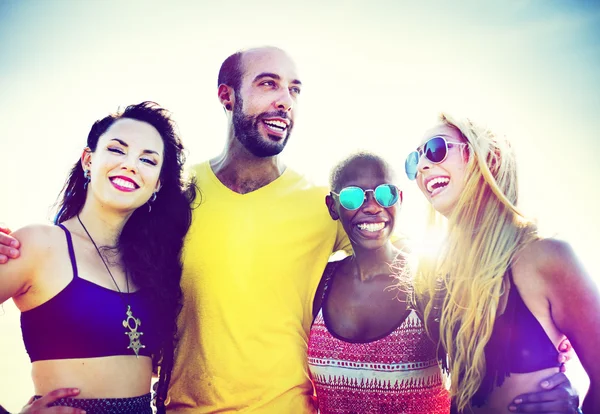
[398, 373]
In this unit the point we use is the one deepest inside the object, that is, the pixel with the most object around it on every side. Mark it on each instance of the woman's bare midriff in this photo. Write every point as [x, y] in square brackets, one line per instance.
[105, 377]
[501, 397]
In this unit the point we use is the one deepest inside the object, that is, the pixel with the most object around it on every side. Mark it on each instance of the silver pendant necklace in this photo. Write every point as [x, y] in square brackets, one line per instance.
[131, 322]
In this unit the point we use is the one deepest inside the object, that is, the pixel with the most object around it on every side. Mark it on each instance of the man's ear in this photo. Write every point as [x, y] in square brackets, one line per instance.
[86, 159]
[226, 97]
[331, 207]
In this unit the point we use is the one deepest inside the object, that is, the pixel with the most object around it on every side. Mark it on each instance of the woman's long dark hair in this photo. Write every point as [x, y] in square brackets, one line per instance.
[152, 239]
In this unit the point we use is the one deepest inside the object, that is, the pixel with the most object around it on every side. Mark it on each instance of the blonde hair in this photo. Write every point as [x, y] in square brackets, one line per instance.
[484, 231]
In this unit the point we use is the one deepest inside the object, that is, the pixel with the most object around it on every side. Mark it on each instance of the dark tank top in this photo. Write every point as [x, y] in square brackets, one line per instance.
[518, 344]
[85, 320]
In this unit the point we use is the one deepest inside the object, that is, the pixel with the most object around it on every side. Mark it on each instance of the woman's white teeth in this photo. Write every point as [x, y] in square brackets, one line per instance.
[123, 183]
[437, 182]
[371, 226]
[276, 124]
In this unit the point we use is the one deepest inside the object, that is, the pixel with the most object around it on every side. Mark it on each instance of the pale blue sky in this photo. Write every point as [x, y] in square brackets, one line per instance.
[375, 74]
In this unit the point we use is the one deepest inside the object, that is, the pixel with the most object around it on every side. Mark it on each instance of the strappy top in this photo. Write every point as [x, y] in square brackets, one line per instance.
[518, 344]
[86, 320]
[397, 372]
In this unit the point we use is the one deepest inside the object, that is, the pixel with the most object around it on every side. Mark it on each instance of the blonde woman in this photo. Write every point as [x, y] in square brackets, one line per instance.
[507, 297]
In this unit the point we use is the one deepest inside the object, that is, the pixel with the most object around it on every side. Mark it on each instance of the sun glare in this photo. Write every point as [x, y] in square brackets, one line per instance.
[375, 76]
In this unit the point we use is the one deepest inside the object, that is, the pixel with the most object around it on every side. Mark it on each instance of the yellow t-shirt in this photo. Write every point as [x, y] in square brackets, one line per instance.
[252, 263]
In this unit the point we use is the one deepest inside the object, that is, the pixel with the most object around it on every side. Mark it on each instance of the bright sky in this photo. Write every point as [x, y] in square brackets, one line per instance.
[375, 76]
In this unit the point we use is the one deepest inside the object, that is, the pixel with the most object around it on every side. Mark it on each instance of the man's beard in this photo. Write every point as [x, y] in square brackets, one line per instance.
[246, 131]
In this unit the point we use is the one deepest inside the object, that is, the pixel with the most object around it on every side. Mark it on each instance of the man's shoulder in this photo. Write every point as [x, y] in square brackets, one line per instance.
[302, 182]
[201, 173]
[199, 168]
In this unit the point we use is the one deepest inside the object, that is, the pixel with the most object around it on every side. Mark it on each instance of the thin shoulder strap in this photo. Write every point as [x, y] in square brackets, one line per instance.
[71, 251]
[328, 275]
[513, 293]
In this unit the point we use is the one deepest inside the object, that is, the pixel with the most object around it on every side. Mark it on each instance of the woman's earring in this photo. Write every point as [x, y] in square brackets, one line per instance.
[86, 175]
[152, 199]
[228, 107]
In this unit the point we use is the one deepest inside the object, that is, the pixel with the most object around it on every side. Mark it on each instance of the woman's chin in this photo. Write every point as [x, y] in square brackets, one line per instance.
[443, 204]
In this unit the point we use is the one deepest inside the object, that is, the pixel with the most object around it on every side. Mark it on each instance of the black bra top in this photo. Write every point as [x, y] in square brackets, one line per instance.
[85, 320]
[518, 344]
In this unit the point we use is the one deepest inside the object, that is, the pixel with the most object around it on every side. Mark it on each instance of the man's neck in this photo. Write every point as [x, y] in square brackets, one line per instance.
[244, 173]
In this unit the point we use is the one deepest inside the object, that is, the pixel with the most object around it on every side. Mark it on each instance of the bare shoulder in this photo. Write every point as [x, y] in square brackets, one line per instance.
[547, 255]
[36, 237]
[43, 230]
[551, 263]
[19, 275]
[549, 249]
[39, 241]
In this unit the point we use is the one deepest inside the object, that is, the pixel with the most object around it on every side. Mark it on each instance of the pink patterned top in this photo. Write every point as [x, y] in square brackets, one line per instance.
[398, 373]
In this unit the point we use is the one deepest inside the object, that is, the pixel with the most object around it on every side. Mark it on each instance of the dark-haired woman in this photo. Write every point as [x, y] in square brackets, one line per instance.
[368, 351]
[99, 291]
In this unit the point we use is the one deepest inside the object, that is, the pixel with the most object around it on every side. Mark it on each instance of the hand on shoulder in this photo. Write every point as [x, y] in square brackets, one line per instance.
[8, 245]
[35, 238]
[17, 275]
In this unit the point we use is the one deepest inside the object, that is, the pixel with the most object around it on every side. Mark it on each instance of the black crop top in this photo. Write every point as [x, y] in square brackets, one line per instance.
[518, 344]
[85, 320]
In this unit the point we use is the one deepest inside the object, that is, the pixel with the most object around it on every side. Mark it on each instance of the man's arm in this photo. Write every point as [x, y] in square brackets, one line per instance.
[8, 245]
[558, 397]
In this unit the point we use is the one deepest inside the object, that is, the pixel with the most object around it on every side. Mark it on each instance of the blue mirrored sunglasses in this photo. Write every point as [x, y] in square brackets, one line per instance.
[352, 198]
